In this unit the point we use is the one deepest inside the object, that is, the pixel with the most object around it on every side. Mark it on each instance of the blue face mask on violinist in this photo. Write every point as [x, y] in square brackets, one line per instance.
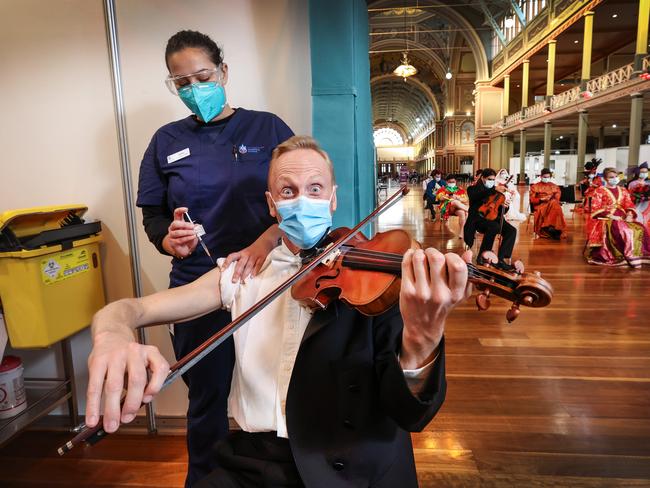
[206, 99]
[304, 220]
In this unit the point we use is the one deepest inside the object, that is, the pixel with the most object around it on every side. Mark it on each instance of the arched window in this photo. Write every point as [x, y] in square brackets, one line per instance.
[385, 136]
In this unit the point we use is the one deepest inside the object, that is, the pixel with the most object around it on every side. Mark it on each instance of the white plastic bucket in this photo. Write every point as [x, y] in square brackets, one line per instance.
[12, 387]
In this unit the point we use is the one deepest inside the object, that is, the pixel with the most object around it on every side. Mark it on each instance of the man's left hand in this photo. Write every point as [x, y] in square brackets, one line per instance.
[432, 285]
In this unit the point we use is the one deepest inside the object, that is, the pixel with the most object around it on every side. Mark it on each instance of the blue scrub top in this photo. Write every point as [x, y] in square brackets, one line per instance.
[219, 174]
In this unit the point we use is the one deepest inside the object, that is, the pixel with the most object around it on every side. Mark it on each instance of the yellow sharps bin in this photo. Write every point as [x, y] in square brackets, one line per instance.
[50, 273]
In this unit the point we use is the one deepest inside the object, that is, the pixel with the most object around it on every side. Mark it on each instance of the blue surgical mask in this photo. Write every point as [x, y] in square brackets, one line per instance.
[613, 181]
[304, 220]
[643, 175]
[489, 183]
[206, 99]
[545, 179]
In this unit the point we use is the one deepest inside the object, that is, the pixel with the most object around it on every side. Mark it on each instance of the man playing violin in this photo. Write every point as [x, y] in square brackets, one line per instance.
[324, 398]
[479, 194]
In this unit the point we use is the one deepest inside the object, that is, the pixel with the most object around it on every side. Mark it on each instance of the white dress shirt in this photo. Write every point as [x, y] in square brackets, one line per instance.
[266, 346]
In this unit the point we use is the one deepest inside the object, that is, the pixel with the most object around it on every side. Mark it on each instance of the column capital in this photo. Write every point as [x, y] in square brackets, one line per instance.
[588, 13]
[526, 61]
[552, 41]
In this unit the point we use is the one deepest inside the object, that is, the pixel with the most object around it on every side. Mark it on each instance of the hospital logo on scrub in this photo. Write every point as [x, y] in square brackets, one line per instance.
[243, 149]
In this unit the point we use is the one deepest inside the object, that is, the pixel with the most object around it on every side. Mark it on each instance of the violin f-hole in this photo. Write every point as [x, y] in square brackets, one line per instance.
[336, 274]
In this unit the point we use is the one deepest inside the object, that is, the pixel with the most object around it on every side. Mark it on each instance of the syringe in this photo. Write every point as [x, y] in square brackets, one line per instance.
[200, 232]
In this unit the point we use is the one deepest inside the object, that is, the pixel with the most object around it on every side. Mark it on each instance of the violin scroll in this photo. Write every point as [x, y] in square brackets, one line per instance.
[522, 289]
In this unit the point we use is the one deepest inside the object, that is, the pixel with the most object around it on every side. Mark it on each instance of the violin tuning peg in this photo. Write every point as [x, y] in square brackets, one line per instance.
[537, 273]
[513, 313]
[483, 300]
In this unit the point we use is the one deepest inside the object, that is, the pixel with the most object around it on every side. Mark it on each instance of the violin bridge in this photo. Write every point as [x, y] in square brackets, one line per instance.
[331, 257]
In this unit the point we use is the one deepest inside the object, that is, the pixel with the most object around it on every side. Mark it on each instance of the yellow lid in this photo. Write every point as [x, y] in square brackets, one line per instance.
[32, 221]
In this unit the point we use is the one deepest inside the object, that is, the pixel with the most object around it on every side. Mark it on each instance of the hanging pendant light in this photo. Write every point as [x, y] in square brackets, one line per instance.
[405, 69]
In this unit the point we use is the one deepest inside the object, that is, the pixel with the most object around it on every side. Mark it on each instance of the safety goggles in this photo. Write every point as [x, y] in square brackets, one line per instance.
[174, 83]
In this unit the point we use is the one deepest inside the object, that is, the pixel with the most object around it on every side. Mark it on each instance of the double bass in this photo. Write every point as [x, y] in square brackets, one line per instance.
[364, 273]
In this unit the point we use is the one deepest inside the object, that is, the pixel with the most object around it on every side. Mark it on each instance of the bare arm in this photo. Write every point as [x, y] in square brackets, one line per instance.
[115, 352]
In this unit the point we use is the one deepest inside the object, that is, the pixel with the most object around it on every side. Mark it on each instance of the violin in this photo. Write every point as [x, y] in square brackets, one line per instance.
[365, 274]
[490, 209]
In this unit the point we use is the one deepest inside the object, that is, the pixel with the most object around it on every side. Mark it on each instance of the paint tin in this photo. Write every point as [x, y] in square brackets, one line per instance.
[12, 387]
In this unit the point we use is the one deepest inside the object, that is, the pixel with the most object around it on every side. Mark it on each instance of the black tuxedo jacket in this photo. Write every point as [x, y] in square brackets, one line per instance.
[478, 193]
[349, 410]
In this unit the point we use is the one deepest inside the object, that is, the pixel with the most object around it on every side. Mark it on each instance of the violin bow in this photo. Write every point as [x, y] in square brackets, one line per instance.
[91, 435]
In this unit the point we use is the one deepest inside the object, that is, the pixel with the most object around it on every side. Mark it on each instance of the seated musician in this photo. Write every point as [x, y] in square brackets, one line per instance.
[613, 236]
[545, 201]
[482, 192]
[453, 201]
[324, 398]
[431, 191]
[591, 181]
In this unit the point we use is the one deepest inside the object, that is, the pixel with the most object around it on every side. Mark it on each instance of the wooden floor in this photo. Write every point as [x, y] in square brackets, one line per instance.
[559, 398]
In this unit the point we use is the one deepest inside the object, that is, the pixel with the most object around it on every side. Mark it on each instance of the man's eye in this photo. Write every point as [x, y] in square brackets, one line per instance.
[315, 189]
[286, 192]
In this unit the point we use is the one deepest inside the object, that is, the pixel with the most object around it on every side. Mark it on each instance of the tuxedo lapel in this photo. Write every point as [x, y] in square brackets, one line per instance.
[319, 320]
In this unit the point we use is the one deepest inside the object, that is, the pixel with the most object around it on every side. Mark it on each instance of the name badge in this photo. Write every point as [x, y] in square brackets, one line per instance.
[172, 158]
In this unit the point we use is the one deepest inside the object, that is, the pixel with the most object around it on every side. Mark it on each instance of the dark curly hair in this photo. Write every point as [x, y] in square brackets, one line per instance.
[488, 172]
[188, 38]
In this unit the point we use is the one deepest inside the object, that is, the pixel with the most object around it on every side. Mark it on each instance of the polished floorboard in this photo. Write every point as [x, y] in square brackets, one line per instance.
[559, 398]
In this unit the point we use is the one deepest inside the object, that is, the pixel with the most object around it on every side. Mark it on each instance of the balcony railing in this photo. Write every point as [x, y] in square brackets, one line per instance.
[512, 119]
[534, 110]
[613, 78]
[565, 98]
[593, 87]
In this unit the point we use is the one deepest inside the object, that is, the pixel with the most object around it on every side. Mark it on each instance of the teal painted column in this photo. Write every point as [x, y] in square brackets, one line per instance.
[341, 104]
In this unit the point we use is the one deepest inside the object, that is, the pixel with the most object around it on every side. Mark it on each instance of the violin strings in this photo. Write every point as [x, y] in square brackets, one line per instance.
[395, 259]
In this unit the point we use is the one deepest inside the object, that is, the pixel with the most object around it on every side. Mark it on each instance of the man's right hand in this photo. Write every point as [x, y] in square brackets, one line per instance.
[117, 355]
[501, 188]
[181, 240]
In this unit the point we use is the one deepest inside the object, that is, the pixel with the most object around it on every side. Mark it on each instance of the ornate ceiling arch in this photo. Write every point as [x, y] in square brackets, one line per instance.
[452, 16]
[403, 102]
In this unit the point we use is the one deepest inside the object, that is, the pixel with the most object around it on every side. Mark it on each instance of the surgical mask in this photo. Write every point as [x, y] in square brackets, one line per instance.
[489, 183]
[452, 187]
[591, 176]
[613, 181]
[643, 175]
[304, 220]
[206, 99]
[437, 178]
[545, 179]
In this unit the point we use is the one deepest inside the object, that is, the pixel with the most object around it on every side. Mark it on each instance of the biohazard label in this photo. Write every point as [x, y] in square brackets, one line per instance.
[62, 266]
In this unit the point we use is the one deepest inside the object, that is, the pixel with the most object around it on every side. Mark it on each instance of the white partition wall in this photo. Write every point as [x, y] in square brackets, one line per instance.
[58, 132]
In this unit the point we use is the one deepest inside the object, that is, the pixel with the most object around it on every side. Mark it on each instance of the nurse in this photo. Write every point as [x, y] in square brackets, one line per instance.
[213, 164]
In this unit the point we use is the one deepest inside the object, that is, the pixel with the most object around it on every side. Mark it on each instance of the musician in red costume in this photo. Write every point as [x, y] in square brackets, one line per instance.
[614, 238]
[545, 202]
